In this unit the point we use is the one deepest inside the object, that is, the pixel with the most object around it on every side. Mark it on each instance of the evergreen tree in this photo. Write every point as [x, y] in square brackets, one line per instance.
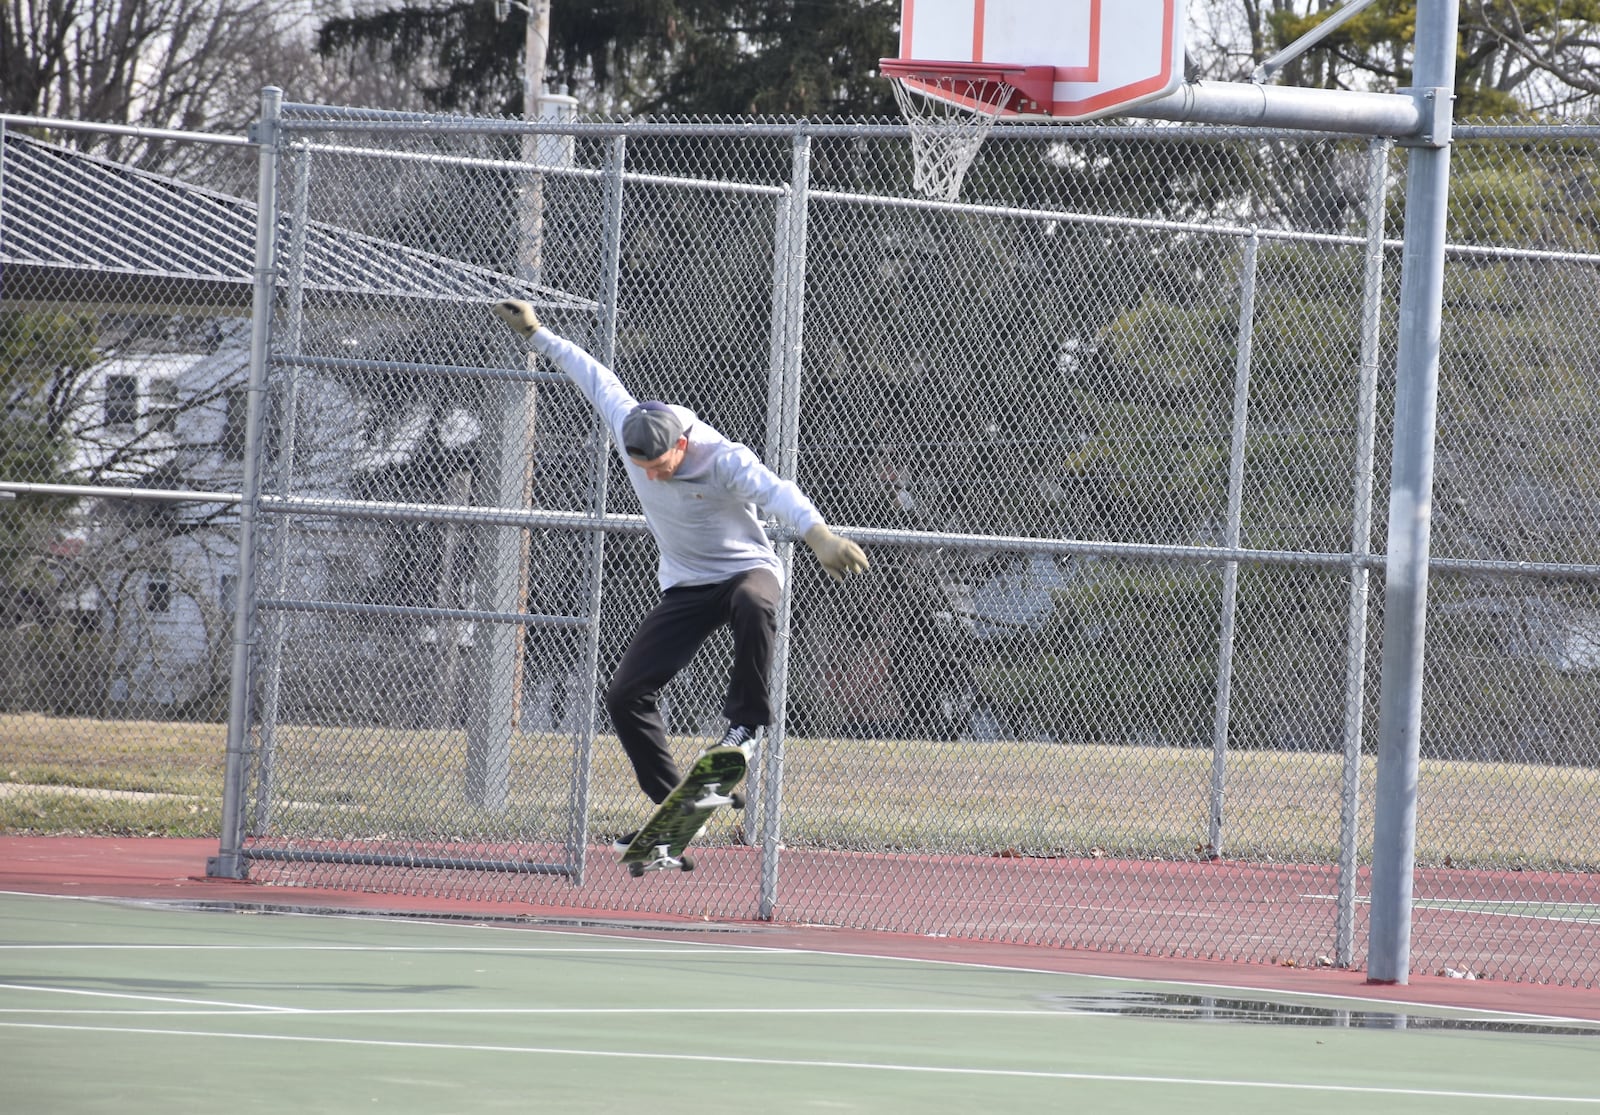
[794, 57]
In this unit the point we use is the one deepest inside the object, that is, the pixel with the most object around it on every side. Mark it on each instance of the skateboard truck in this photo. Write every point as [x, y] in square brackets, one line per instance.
[661, 859]
[712, 798]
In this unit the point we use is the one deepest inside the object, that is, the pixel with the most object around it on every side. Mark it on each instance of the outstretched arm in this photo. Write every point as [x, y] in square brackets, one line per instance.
[839, 556]
[598, 383]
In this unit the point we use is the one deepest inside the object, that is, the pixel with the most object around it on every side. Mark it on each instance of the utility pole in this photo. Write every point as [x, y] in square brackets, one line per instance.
[535, 47]
[496, 701]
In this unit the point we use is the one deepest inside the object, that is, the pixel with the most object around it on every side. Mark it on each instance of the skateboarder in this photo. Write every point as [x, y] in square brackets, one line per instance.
[699, 492]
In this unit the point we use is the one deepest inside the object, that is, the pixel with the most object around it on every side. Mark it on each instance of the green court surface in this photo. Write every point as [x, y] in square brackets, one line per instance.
[129, 1008]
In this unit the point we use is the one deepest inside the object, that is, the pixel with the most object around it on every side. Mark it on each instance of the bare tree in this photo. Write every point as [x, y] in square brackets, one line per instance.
[191, 65]
[1544, 54]
[154, 62]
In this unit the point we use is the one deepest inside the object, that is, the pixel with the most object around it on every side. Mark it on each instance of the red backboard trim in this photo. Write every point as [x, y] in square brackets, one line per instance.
[921, 74]
[1032, 86]
[1112, 98]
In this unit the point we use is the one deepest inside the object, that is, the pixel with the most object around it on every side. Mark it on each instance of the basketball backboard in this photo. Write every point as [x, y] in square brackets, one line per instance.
[1067, 59]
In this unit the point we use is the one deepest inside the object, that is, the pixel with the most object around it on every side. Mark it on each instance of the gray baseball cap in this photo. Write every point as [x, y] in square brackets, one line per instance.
[650, 430]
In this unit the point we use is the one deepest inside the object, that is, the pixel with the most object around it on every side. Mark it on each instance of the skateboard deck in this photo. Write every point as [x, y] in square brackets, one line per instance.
[709, 785]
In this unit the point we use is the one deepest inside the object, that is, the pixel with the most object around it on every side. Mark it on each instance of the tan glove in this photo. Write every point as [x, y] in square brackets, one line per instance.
[519, 315]
[837, 555]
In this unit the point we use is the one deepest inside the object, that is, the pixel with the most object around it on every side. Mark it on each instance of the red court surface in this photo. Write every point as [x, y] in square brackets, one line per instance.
[174, 871]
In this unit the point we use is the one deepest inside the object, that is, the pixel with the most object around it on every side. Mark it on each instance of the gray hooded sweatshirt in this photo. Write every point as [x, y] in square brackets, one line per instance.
[705, 518]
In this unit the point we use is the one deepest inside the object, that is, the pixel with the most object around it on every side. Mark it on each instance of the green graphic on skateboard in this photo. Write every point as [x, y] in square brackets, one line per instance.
[709, 785]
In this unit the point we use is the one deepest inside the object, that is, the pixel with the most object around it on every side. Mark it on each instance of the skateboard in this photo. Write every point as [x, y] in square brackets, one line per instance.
[707, 787]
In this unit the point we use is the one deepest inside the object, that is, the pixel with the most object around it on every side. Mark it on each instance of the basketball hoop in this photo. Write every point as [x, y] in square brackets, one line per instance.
[950, 107]
[1035, 59]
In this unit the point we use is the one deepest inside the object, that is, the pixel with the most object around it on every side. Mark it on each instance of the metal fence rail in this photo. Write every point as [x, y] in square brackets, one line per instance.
[1115, 431]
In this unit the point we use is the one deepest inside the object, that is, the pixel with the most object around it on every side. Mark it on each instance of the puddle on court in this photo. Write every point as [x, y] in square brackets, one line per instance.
[1181, 1007]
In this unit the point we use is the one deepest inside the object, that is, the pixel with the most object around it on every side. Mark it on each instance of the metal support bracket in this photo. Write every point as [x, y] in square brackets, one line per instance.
[229, 866]
[1435, 107]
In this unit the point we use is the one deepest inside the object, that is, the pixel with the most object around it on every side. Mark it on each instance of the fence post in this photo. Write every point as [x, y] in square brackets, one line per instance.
[772, 450]
[1410, 503]
[1230, 538]
[229, 861]
[583, 745]
[271, 660]
[1360, 546]
[789, 300]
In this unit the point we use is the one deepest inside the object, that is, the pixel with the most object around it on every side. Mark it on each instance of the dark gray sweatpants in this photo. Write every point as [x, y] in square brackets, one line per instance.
[667, 638]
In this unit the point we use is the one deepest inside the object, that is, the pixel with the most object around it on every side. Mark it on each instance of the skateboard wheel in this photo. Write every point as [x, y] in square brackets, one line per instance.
[636, 870]
[687, 864]
[738, 799]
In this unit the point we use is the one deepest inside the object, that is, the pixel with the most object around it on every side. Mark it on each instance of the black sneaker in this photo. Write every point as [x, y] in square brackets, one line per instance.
[738, 735]
[621, 843]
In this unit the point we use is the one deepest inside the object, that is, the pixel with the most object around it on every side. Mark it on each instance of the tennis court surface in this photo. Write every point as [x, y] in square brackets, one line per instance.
[134, 989]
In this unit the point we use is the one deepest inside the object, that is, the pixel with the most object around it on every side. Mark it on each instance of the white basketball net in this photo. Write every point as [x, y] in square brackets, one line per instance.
[946, 135]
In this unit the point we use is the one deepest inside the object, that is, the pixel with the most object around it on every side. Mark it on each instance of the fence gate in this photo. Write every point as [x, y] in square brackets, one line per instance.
[428, 585]
[420, 702]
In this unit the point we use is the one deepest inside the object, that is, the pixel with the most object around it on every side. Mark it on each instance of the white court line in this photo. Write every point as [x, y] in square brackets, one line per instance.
[765, 953]
[1494, 907]
[238, 1009]
[318, 1012]
[679, 950]
[868, 1066]
[1344, 1000]
[149, 998]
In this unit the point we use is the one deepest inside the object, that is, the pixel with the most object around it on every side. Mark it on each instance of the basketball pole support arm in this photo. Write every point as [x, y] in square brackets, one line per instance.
[1268, 69]
[1420, 115]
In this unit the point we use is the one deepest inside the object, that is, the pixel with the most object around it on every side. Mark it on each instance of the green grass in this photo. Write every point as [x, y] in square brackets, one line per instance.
[61, 775]
[58, 759]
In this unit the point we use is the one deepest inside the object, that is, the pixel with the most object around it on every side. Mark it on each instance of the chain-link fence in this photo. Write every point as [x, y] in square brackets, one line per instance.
[1114, 431]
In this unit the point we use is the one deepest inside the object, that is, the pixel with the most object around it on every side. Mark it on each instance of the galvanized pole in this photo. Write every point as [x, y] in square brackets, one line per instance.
[777, 365]
[269, 664]
[792, 237]
[229, 861]
[583, 744]
[1410, 502]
